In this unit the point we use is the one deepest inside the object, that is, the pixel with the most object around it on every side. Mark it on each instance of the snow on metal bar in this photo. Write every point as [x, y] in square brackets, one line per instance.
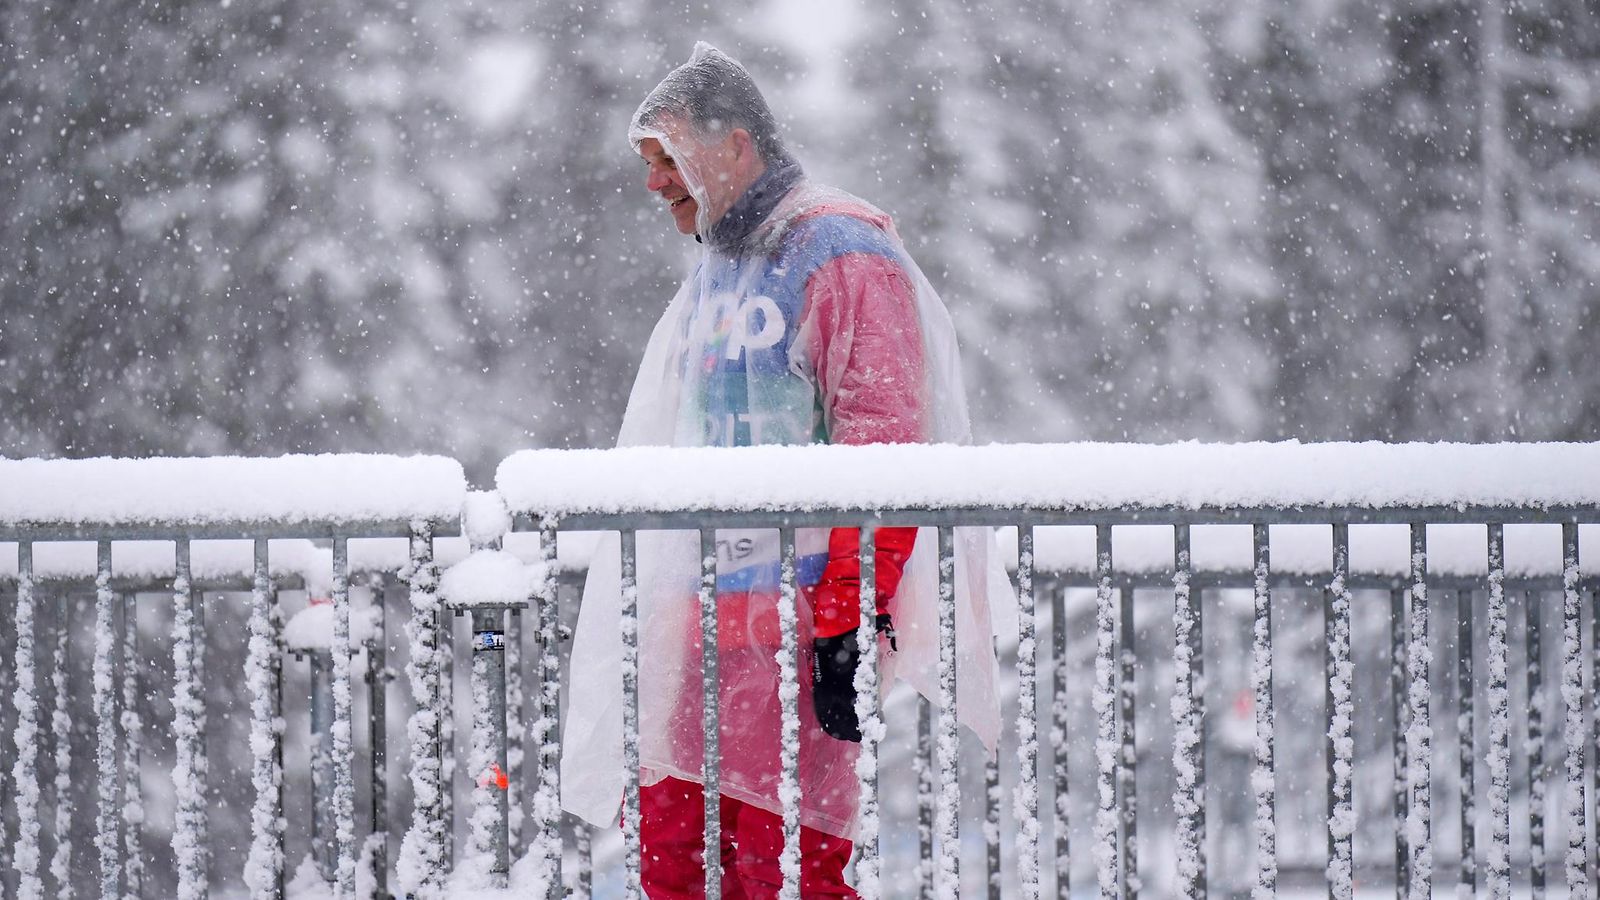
[1263, 778]
[1061, 805]
[789, 701]
[1419, 731]
[375, 849]
[61, 737]
[1499, 757]
[1399, 625]
[547, 733]
[264, 867]
[922, 765]
[1577, 860]
[203, 490]
[1467, 883]
[584, 850]
[515, 756]
[710, 774]
[1128, 759]
[25, 740]
[947, 811]
[630, 716]
[1057, 476]
[132, 752]
[1188, 803]
[1340, 746]
[188, 708]
[107, 839]
[1105, 710]
[1025, 801]
[421, 866]
[344, 782]
[1533, 632]
[991, 824]
[869, 865]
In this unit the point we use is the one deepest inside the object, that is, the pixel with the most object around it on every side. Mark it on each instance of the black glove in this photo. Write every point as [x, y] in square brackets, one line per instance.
[833, 685]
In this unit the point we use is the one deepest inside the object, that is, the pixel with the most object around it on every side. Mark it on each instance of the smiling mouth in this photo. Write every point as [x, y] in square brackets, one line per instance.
[678, 202]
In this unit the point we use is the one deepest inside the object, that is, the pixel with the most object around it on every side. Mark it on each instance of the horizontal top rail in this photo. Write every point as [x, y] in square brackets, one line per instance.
[227, 497]
[1056, 483]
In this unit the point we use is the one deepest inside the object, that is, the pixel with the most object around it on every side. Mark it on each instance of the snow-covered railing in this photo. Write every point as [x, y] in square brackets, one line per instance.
[186, 525]
[1100, 529]
[1323, 516]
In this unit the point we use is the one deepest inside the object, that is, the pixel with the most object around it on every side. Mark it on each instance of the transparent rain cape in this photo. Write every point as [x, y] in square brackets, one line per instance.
[735, 361]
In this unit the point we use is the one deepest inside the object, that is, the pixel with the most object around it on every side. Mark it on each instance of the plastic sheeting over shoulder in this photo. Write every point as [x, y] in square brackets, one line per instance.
[804, 321]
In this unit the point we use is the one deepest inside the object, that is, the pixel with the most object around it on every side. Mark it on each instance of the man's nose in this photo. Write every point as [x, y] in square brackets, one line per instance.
[656, 180]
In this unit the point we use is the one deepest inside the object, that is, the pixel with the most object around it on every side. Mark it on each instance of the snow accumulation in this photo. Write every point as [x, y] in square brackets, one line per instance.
[155, 560]
[1052, 476]
[1458, 550]
[200, 491]
[312, 628]
[490, 578]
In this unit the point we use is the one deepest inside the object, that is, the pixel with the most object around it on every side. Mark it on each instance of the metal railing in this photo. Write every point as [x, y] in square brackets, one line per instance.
[1045, 733]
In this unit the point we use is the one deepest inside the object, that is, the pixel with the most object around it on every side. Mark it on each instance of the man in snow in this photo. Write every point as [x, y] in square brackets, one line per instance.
[804, 321]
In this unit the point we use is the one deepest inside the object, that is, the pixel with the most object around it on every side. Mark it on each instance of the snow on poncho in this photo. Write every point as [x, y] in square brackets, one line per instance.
[804, 321]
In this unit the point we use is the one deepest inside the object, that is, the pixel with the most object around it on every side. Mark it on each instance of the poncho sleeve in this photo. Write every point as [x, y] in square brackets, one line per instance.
[868, 353]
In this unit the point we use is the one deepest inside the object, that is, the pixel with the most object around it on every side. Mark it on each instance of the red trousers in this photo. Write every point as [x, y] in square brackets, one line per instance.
[672, 832]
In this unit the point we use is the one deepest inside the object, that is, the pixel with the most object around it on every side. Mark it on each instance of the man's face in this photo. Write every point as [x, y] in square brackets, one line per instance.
[666, 180]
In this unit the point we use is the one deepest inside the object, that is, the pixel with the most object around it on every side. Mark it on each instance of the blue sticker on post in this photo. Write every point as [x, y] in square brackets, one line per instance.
[488, 640]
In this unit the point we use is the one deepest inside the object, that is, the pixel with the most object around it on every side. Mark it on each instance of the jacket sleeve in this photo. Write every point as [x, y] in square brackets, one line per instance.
[867, 348]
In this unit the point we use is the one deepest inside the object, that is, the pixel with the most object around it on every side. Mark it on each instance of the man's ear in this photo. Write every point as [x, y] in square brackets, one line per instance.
[743, 143]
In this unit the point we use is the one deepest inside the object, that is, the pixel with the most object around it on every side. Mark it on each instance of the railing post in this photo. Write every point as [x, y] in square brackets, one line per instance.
[1027, 796]
[188, 770]
[1419, 744]
[377, 679]
[25, 740]
[710, 771]
[324, 842]
[1577, 862]
[264, 868]
[422, 856]
[548, 737]
[1128, 758]
[991, 822]
[630, 716]
[1340, 712]
[1499, 756]
[61, 738]
[344, 751]
[789, 705]
[107, 839]
[1399, 627]
[922, 766]
[1533, 634]
[947, 815]
[132, 752]
[1188, 800]
[489, 836]
[1467, 742]
[1261, 679]
[1105, 708]
[1061, 805]
[869, 865]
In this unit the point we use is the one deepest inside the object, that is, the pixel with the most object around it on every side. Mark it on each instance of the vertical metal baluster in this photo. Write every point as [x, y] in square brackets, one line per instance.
[991, 823]
[549, 737]
[1107, 850]
[923, 766]
[25, 740]
[1577, 862]
[344, 782]
[869, 864]
[1467, 884]
[264, 867]
[1027, 795]
[630, 716]
[584, 850]
[1261, 680]
[710, 772]
[1197, 607]
[447, 733]
[1340, 711]
[487, 765]
[1128, 757]
[61, 739]
[1399, 625]
[1059, 712]
[8, 687]
[426, 839]
[1594, 718]
[1419, 750]
[1187, 801]
[188, 775]
[132, 752]
[1534, 634]
[947, 816]
[107, 840]
[515, 732]
[1499, 757]
[378, 736]
[789, 703]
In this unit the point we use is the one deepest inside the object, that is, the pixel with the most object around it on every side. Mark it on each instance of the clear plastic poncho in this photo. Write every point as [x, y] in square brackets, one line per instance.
[803, 321]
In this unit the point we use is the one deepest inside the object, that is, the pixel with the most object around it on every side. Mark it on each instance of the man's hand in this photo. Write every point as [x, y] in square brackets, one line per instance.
[833, 683]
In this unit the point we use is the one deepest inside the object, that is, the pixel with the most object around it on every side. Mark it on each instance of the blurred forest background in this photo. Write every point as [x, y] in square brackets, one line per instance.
[354, 225]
